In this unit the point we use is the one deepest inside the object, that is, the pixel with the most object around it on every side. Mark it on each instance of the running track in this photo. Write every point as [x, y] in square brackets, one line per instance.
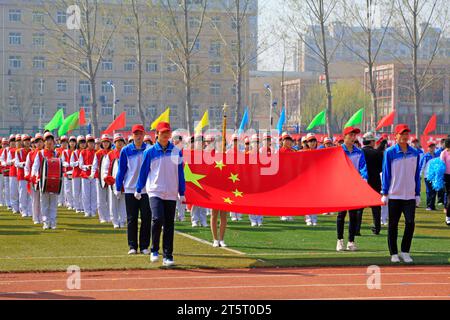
[400, 282]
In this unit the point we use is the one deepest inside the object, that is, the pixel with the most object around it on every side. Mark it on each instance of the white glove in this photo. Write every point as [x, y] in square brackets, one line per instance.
[92, 176]
[137, 195]
[182, 199]
[385, 199]
[65, 164]
[417, 201]
[84, 168]
[21, 164]
[74, 164]
[117, 194]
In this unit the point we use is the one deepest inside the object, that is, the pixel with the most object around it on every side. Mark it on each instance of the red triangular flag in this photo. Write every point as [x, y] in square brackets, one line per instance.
[431, 126]
[117, 124]
[387, 120]
[82, 118]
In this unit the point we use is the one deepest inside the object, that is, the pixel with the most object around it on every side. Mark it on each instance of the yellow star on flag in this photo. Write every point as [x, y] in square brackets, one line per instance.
[220, 165]
[238, 194]
[192, 177]
[228, 200]
[234, 177]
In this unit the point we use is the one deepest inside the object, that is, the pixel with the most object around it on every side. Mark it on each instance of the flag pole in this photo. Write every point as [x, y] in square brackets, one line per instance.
[224, 127]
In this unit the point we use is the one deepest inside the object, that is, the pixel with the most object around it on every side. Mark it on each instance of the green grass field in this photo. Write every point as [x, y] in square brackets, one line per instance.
[84, 242]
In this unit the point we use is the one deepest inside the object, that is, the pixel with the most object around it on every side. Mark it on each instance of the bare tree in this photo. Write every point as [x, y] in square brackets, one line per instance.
[310, 20]
[180, 26]
[82, 50]
[368, 39]
[416, 25]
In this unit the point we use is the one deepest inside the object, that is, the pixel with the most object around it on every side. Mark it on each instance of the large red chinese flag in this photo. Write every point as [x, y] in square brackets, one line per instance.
[82, 120]
[387, 120]
[431, 126]
[117, 124]
[298, 183]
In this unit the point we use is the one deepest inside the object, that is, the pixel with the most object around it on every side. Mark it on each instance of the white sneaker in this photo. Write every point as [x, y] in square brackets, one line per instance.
[132, 251]
[145, 251]
[259, 224]
[222, 244]
[154, 257]
[405, 257]
[86, 215]
[340, 245]
[254, 224]
[205, 225]
[309, 223]
[233, 219]
[314, 224]
[168, 262]
[116, 226]
[283, 218]
[194, 224]
[215, 244]
[351, 246]
[447, 220]
[36, 222]
[45, 226]
[102, 221]
[395, 258]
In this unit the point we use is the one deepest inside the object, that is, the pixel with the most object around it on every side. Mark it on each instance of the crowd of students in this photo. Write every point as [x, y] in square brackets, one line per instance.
[148, 184]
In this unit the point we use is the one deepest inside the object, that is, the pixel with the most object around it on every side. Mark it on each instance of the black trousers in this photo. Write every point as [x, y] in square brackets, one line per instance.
[447, 191]
[163, 217]
[431, 195]
[133, 207]
[376, 215]
[353, 214]
[396, 208]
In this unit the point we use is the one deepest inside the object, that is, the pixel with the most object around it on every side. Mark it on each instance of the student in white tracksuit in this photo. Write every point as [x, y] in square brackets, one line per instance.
[102, 193]
[35, 195]
[76, 175]
[48, 201]
[13, 183]
[117, 207]
[68, 171]
[21, 157]
[88, 181]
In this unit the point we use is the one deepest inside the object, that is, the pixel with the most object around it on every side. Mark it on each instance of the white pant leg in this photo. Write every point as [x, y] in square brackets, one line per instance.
[260, 219]
[313, 218]
[93, 193]
[203, 216]
[7, 191]
[24, 199]
[195, 217]
[14, 193]
[68, 192]
[122, 210]
[102, 202]
[181, 208]
[49, 203]
[86, 196]
[384, 214]
[113, 208]
[53, 201]
[2, 191]
[36, 206]
[76, 192]
[61, 196]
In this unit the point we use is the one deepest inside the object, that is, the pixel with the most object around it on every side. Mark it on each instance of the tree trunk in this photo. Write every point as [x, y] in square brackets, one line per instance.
[187, 118]
[415, 77]
[325, 67]
[139, 62]
[373, 97]
[94, 123]
[237, 114]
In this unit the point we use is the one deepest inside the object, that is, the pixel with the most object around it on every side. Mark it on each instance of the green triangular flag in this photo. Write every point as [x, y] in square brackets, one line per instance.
[71, 123]
[56, 121]
[356, 119]
[319, 120]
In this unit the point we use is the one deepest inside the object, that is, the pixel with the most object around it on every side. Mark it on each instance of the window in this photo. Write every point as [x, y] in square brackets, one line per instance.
[130, 42]
[107, 109]
[171, 90]
[39, 86]
[61, 85]
[38, 63]
[152, 88]
[13, 84]
[37, 17]
[15, 38]
[214, 67]
[196, 46]
[15, 15]
[107, 65]
[171, 67]
[214, 89]
[129, 65]
[215, 22]
[106, 88]
[194, 22]
[196, 112]
[130, 110]
[107, 20]
[81, 41]
[38, 109]
[151, 111]
[87, 109]
[152, 66]
[13, 106]
[214, 48]
[62, 106]
[150, 43]
[15, 62]
[38, 40]
[61, 17]
[128, 88]
[84, 86]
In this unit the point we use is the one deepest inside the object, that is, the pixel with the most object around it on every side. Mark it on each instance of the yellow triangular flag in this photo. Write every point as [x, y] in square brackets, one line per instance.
[203, 123]
[164, 117]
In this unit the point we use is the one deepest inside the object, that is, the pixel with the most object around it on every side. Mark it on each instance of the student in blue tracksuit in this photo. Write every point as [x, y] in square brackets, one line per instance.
[162, 176]
[401, 191]
[127, 176]
[356, 156]
[424, 163]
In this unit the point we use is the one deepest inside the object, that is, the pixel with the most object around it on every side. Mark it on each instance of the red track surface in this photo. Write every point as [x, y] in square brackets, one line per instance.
[414, 282]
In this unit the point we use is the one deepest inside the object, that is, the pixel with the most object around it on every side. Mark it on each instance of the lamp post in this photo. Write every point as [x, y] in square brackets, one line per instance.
[41, 81]
[267, 86]
[114, 98]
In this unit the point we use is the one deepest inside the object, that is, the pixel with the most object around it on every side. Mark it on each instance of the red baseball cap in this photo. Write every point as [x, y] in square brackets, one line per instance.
[163, 127]
[400, 128]
[351, 130]
[137, 127]
[431, 143]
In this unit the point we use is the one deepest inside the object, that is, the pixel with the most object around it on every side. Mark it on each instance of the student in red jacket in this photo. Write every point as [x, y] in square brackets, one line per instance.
[76, 174]
[21, 158]
[85, 163]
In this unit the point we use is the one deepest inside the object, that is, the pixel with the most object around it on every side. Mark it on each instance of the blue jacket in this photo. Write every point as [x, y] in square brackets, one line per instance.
[162, 172]
[423, 163]
[401, 173]
[438, 151]
[130, 161]
[358, 160]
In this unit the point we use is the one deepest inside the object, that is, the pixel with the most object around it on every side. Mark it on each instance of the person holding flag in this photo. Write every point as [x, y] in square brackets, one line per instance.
[401, 191]
[357, 158]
